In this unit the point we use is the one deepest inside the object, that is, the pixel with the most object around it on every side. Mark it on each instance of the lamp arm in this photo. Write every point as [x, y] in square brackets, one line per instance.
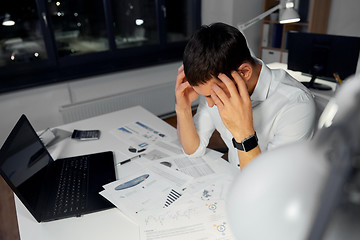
[244, 26]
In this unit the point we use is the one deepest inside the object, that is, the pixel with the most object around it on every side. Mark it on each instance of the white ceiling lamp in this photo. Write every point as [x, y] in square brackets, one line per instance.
[8, 21]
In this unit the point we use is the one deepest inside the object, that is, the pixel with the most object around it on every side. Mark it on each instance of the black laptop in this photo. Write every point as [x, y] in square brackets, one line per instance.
[51, 189]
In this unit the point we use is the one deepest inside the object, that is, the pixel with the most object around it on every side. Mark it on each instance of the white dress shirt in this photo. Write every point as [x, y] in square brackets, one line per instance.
[283, 112]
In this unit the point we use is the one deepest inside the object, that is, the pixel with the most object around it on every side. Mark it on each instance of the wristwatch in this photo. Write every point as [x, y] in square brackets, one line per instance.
[247, 144]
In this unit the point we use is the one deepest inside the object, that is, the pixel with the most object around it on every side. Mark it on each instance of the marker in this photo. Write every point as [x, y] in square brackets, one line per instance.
[129, 160]
[132, 182]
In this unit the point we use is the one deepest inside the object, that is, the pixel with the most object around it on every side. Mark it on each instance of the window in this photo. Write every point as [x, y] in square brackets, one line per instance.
[56, 40]
[134, 23]
[21, 38]
[179, 19]
[78, 26]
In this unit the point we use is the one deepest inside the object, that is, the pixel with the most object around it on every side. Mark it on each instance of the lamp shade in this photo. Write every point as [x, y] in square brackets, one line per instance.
[7, 20]
[289, 16]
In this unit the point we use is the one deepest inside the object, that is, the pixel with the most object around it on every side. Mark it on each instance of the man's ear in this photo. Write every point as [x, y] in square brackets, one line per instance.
[245, 71]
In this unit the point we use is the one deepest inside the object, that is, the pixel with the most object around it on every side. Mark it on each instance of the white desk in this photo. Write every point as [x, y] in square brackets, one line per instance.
[110, 224]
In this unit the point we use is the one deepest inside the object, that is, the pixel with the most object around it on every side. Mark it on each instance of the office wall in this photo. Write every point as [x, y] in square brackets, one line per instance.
[217, 11]
[235, 12]
[40, 104]
[243, 11]
[344, 18]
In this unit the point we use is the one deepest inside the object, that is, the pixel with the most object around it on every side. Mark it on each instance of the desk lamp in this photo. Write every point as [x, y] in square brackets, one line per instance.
[289, 14]
[305, 190]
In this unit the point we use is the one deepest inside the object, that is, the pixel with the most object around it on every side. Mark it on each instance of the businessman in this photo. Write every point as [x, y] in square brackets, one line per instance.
[253, 108]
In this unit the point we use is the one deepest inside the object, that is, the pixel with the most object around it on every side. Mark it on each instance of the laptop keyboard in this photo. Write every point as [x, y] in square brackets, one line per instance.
[72, 189]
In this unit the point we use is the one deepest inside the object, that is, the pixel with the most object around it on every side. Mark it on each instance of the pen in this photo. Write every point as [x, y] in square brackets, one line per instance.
[129, 160]
[337, 77]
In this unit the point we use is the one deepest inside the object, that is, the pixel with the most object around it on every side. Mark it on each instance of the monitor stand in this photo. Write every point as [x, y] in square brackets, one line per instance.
[317, 86]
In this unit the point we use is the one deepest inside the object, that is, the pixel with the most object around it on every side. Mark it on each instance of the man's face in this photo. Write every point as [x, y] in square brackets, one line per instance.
[205, 89]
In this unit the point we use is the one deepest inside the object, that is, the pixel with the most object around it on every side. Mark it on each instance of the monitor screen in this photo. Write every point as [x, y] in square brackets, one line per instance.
[322, 55]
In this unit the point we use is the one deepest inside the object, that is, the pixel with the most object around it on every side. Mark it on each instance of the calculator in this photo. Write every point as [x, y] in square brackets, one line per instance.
[85, 134]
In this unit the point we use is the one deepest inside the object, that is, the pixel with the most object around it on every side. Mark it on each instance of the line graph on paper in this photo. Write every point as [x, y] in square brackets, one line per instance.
[171, 216]
[197, 221]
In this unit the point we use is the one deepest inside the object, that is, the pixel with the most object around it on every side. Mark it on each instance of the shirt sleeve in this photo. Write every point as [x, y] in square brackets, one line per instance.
[204, 126]
[294, 123]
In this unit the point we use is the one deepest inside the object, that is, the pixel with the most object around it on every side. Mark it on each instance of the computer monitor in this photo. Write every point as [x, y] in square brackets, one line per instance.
[322, 55]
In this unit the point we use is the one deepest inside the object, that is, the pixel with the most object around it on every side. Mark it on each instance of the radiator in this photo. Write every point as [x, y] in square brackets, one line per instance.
[160, 100]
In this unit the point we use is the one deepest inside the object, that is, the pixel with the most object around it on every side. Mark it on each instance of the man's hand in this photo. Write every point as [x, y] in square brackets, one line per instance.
[235, 110]
[186, 130]
[184, 93]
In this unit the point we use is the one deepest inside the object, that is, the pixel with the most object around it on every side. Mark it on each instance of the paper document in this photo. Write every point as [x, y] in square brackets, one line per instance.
[147, 188]
[195, 167]
[163, 149]
[202, 221]
[198, 214]
[138, 137]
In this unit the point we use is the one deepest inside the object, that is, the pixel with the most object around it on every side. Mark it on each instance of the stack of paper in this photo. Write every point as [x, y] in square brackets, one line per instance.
[168, 194]
[199, 217]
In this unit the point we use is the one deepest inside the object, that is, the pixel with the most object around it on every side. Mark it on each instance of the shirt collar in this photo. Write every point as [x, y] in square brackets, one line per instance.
[263, 84]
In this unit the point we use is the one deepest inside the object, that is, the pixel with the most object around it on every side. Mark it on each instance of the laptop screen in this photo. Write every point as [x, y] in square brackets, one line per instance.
[23, 159]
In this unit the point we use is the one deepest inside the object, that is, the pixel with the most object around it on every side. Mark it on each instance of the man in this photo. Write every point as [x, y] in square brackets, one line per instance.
[253, 107]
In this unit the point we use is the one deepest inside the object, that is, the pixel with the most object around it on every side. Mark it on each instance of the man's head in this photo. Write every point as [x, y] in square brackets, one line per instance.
[214, 49]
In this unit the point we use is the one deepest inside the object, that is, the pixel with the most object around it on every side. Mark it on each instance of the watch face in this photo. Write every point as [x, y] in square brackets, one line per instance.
[250, 143]
[246, 145]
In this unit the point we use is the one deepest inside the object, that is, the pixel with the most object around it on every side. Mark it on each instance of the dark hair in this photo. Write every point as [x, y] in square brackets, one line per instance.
[214, 49]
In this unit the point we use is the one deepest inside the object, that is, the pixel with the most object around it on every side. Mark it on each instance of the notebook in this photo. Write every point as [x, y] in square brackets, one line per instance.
[51, 189]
